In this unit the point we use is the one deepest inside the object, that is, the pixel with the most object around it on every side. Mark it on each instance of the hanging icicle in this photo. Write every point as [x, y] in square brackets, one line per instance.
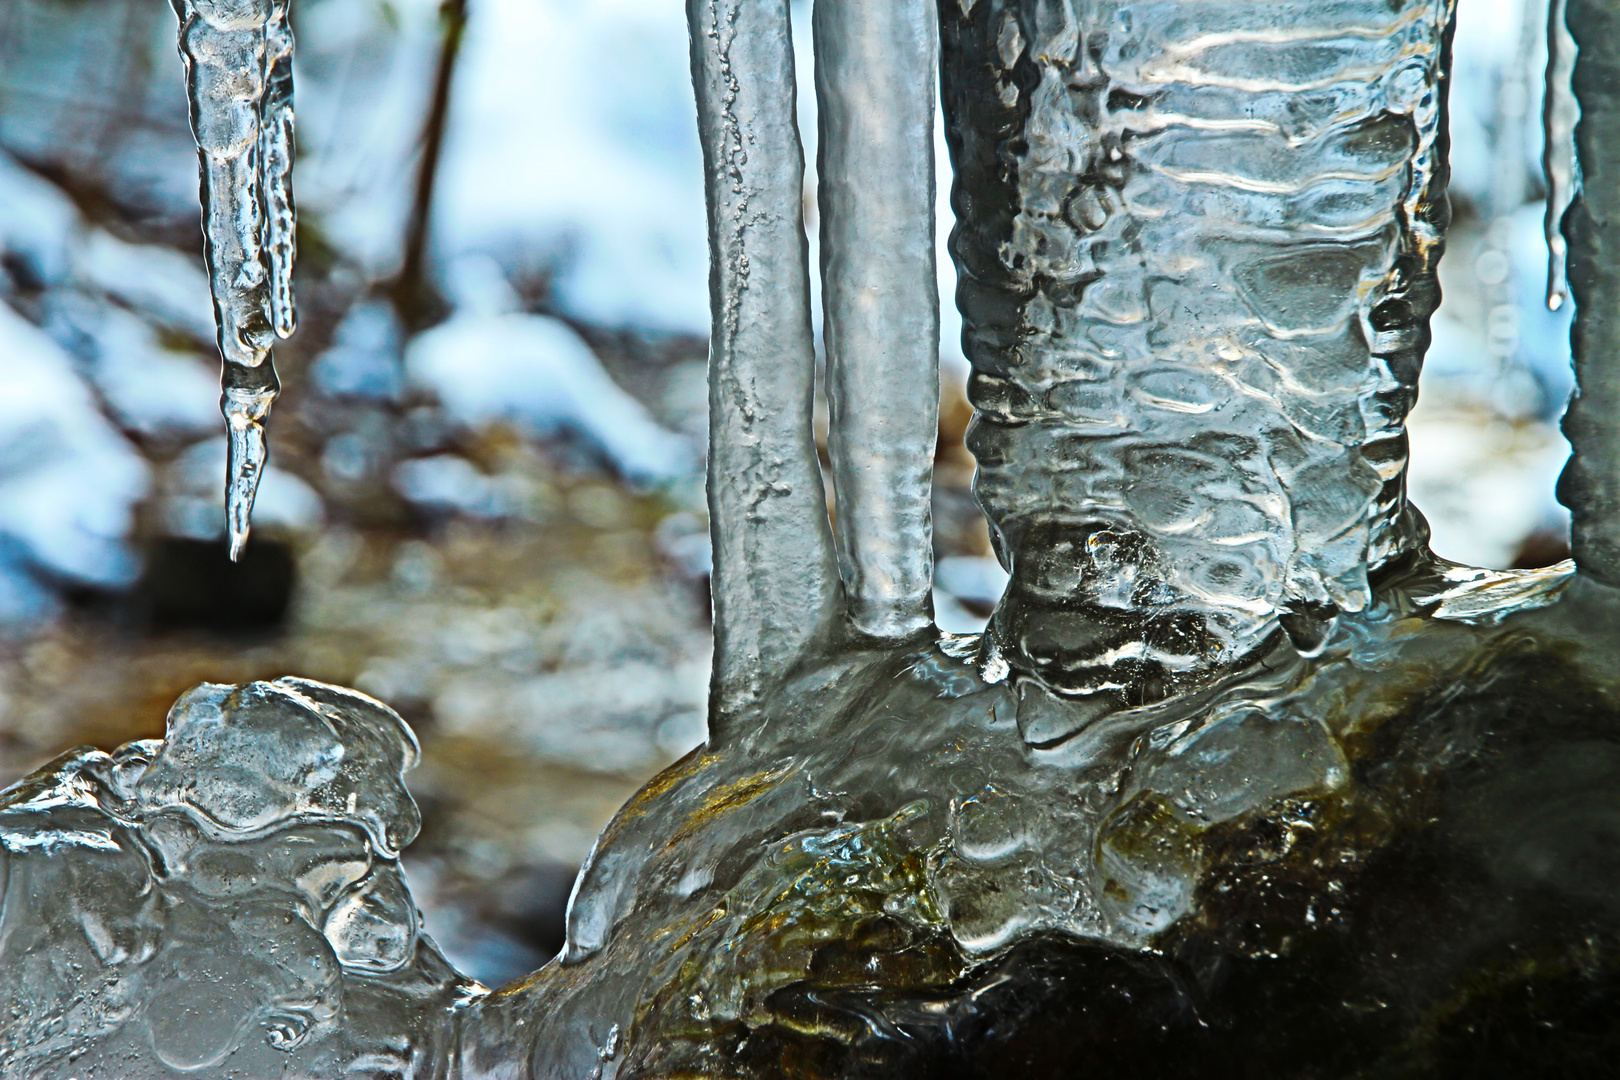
[238, 60]
[1560, 112]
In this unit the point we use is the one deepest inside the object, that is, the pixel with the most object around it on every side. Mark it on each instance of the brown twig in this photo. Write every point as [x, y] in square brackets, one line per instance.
[414, 297]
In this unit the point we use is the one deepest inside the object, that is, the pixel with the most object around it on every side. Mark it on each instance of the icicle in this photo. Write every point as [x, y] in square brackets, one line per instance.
[1590, 484]
[280, 239]
[775, 581]
[875, 66]
[1560, 113]
[238, 59]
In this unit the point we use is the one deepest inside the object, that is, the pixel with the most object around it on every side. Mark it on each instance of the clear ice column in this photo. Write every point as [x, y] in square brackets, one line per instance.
[1590, 486]
[876, 65]
[238, 60]
[1196, 246]
[775, 582]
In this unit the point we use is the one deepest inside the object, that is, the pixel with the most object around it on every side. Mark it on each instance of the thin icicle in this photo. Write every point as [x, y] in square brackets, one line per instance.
[280, 233]
[1561, 111]
[875, 71]
[238, 59]
[775, 580]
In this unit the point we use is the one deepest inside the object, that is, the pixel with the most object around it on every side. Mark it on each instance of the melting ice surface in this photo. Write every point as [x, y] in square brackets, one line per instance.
[238, 60]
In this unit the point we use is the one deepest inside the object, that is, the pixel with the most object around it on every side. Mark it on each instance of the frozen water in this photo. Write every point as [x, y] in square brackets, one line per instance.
[190, 506]
[875, 89]
[775, 581]
[1196, 300]
[238, 59]
[1561, 112]
[1241, 779]
[226, 899]
[1590, 484]
[276, 141]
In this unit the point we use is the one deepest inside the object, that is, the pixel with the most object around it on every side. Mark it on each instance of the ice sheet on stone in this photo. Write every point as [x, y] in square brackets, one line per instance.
[228, 898]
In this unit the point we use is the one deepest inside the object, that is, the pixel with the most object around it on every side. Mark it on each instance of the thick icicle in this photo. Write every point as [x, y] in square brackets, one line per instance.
[775, 580]
[1197, 259]
[1560, 112]
[238, 61]
[1590, 485]
[875, 82]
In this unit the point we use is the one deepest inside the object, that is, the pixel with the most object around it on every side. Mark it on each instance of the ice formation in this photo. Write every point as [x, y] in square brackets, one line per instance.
[1241, 780]
[1561, 112]
[238, 60]
[875, 88]
[1198, 263]
[212, 903]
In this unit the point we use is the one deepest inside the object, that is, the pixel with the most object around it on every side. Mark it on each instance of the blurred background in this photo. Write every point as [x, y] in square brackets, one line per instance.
[485, 504]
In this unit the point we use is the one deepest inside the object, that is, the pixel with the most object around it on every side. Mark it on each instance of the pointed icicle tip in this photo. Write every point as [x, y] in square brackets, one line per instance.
[247, 452]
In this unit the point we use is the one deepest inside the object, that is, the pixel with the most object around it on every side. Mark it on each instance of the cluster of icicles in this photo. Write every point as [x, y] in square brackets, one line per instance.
[238, 61]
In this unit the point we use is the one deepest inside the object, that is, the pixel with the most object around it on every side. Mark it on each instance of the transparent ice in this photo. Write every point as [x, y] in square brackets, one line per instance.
[238, 61]
[1240, 781]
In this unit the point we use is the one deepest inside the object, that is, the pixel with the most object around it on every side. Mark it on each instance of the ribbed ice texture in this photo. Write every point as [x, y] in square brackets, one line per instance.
[1197, 246]
[226, 902]
[875, 84]
[1590, 485]
[775, 580]
[238, 59]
